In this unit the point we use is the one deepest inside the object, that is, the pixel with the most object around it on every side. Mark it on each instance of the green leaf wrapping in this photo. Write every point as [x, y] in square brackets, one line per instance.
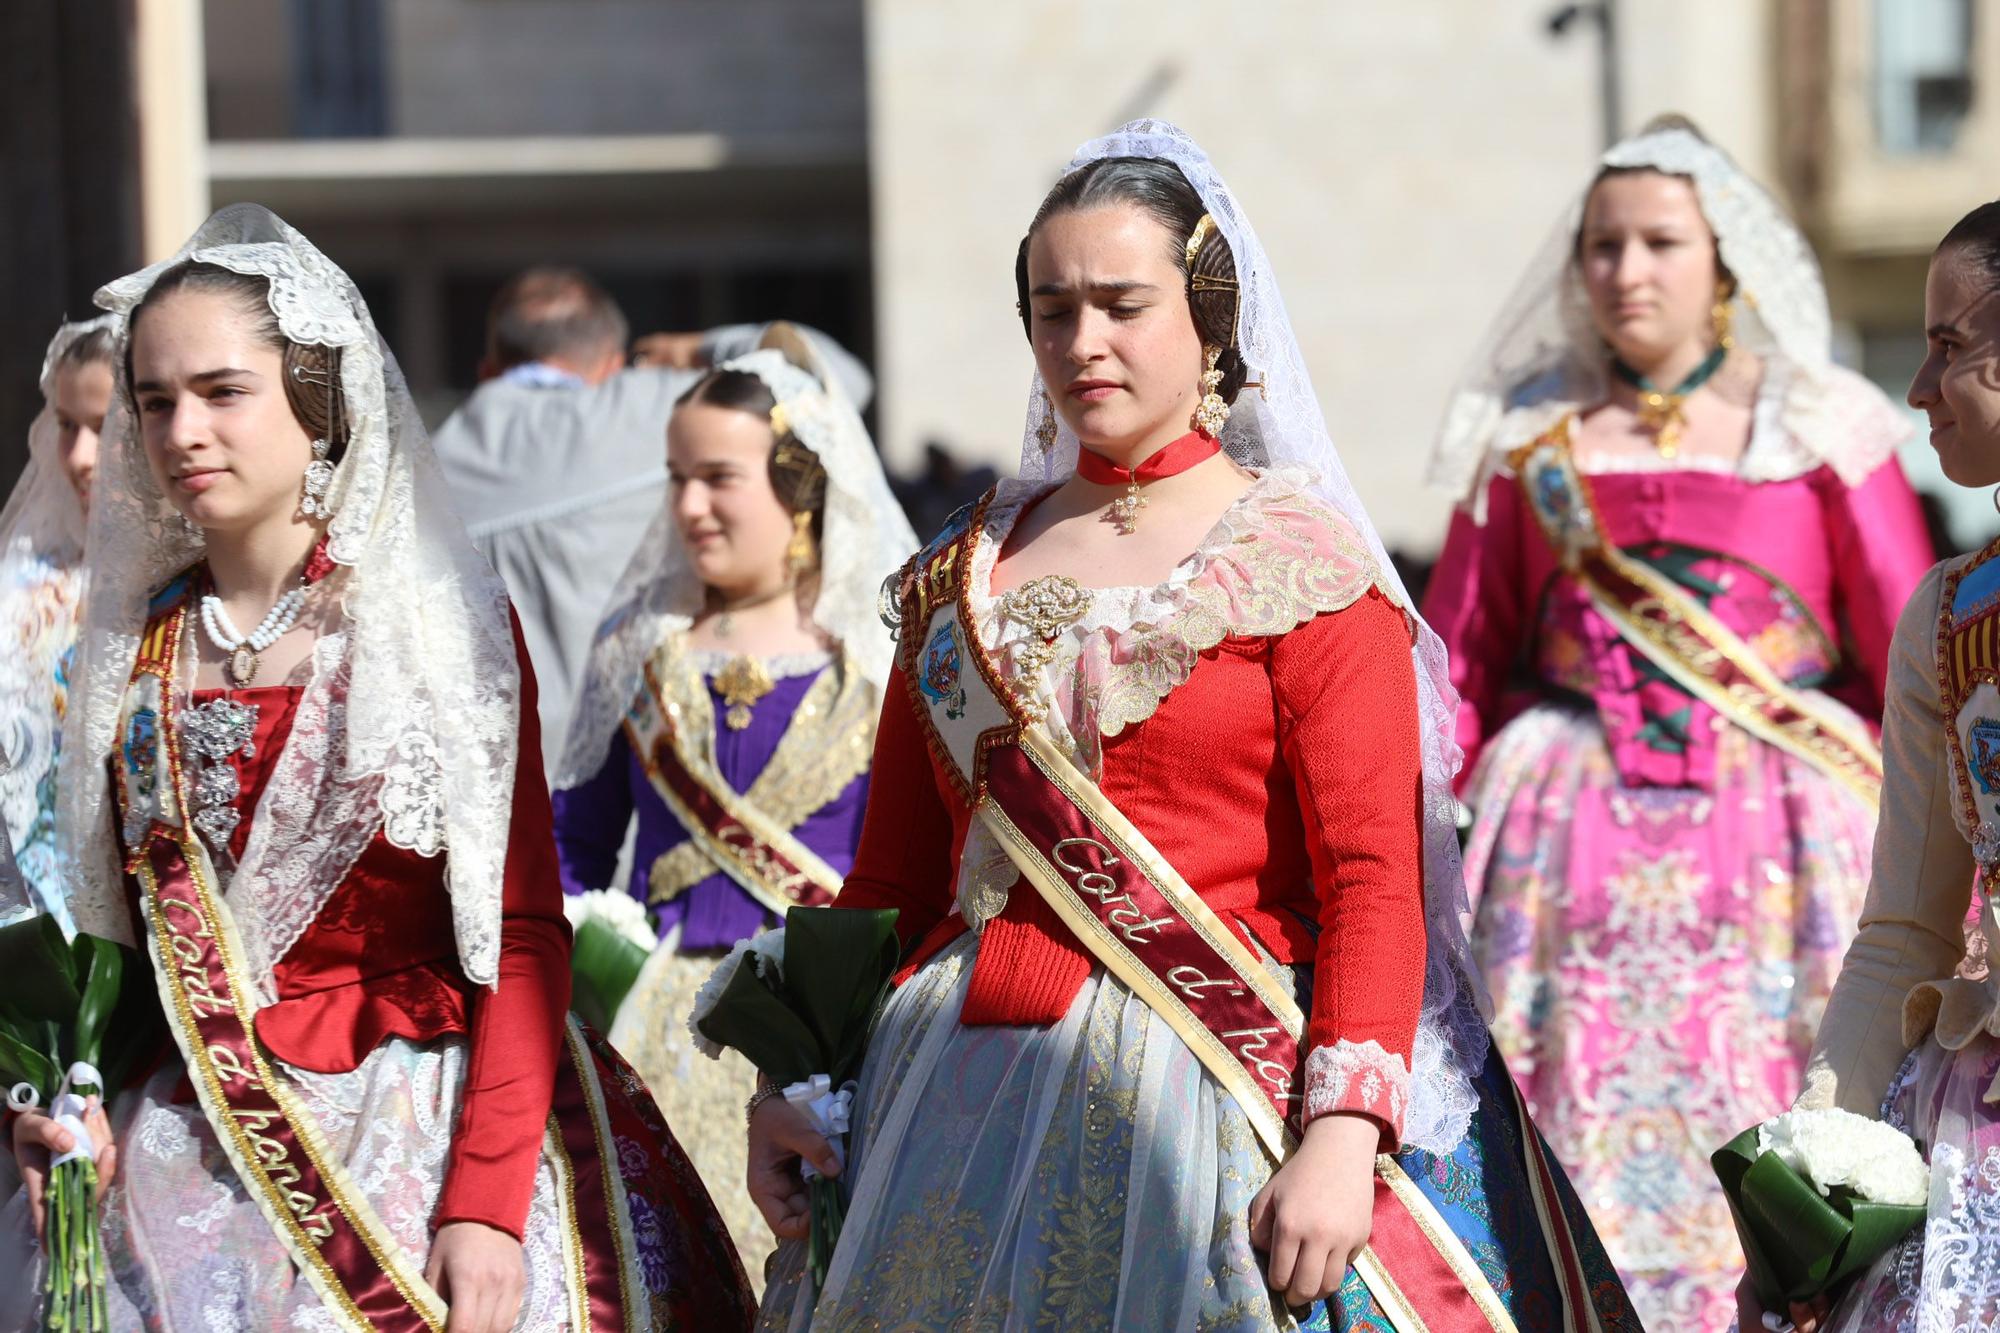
[753, 1016]
[37, 972]
[815, 1018]
[837, 965]
[1797, 1242]
[604, 965]
[22, 1062]
[101, 965]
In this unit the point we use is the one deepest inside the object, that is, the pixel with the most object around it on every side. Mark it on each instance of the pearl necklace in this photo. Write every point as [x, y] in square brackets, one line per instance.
[244, 648]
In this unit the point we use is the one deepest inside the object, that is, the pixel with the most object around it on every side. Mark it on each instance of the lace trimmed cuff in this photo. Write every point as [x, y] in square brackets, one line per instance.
[1364, 1077]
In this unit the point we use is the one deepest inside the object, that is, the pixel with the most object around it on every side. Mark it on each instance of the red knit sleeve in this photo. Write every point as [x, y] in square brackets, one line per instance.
[1348, 728]
[517, 1027]
[906, 858]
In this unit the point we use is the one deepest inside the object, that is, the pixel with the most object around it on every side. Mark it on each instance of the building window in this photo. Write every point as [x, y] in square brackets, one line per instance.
[1923, 73]
[338, 69]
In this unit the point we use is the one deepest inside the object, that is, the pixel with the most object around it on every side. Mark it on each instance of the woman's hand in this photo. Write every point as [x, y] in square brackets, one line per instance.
[1806, 1317]
[780, 1135]
[1314, 1215]
[478, 1272]
[39, 1139]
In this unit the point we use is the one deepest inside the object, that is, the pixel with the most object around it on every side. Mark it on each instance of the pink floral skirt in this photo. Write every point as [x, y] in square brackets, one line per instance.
[1659, 959]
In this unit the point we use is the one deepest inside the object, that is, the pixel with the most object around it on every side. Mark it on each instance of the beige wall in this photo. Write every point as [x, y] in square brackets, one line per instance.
[173, 125]
[1400, 161]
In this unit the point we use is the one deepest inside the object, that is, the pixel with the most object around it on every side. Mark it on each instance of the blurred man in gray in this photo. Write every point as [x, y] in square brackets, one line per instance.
[558, 460]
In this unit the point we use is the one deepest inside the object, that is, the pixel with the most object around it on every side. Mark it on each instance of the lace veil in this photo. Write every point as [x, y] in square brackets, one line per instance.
[864, 538]
[43, 515]
[1283, 425]
[410, 724]
[41, 584]
[1543, 359]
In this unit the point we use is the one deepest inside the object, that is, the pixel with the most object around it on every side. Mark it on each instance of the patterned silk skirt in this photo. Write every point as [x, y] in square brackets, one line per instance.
[1945, 1278]
[1091, 1175]
[189, 1250]
[1659, 959]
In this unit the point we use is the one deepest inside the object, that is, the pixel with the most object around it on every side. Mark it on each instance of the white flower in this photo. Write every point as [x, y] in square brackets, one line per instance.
[620, 911]
[1831, 1147]
[768, 952]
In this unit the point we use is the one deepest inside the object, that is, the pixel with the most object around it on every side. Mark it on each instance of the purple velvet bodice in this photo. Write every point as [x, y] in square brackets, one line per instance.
[591, 819]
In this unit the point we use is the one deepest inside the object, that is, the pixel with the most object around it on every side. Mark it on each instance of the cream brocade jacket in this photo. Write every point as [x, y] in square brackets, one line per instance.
[1898, 984]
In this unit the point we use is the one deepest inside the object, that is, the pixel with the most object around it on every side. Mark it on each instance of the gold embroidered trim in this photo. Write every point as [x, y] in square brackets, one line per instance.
[1283, 581]
[614, 1183]
[234, 1137]
[677, 870]
[1129, 843]
[1693, 636]
[826, 746]
[578, 1277]
[1446, 1242]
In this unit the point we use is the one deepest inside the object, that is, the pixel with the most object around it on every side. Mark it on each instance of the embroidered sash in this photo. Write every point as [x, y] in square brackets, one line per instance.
[669, 729]
[1683, 638]
[1136, 915]
[1968, 666]
[354, 1263]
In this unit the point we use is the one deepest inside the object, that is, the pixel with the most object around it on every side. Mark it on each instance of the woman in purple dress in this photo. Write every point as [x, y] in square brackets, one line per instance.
[729, 706]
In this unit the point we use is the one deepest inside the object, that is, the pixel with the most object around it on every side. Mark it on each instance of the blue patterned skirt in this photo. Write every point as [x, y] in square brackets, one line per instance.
[1090, 1174]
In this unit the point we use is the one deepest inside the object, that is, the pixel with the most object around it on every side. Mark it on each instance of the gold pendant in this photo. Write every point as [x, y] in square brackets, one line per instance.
[743, 681]
[242, 666]
[1662, 415]
[1125, 509]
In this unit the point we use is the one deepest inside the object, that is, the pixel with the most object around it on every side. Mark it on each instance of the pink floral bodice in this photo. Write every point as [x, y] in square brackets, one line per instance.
[1810, 571]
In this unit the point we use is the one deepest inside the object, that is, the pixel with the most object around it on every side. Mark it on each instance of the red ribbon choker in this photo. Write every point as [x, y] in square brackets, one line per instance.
[1190, 449]
[1194, 447]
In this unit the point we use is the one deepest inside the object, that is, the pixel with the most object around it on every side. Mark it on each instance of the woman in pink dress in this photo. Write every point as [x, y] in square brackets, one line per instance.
[1668, 596]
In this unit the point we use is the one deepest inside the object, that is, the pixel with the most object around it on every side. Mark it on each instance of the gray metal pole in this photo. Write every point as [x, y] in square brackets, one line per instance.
[1607, 73]
[1604, 13]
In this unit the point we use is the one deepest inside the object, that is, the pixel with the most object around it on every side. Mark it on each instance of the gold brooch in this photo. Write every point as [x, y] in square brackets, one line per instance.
[742, 681]
[1047, 606]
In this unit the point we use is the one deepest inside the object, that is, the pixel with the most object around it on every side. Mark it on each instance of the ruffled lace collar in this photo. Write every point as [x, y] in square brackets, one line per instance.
[1278, 556]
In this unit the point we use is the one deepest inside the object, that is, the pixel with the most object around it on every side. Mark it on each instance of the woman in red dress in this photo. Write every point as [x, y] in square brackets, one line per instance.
[1186, 1035]
[293, 779]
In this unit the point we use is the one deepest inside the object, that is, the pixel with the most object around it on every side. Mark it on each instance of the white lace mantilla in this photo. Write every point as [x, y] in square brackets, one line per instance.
[410, 723]
[1542, 358]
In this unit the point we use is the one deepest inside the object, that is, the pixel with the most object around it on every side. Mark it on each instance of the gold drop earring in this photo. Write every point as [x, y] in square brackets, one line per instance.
[1045, 429]
[1211, 414]
[1722, 318]
[799, 550]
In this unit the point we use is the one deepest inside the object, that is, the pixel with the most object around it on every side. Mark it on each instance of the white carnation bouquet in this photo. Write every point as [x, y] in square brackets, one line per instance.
[1818, 1196]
